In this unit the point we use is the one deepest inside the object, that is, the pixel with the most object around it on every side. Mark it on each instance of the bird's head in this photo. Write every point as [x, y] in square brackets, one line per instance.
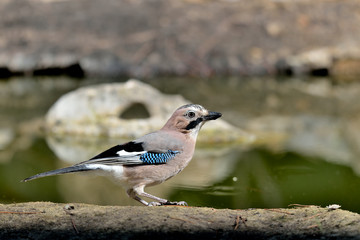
[190, 118]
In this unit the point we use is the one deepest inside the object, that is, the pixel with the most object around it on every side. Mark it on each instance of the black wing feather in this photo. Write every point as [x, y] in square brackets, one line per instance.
[112, 152]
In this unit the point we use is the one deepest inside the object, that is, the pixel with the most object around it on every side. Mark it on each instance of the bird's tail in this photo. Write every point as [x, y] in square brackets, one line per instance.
[76, 168]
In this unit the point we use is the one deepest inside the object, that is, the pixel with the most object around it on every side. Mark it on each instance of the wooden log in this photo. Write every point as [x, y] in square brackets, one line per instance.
[45, 220]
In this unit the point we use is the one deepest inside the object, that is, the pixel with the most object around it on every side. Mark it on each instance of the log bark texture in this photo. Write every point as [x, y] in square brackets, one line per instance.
[45, 220]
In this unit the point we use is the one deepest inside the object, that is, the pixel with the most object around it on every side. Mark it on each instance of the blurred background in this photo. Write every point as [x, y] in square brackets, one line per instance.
[285, 75]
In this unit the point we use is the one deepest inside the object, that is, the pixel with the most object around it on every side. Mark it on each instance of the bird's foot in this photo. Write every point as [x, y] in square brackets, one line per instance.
[152, 204]
[181, 203]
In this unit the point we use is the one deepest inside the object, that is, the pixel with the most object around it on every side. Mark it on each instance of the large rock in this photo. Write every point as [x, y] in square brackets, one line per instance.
[113, 110]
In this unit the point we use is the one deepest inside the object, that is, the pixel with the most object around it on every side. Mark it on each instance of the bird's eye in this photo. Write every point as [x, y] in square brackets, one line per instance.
[191, 114]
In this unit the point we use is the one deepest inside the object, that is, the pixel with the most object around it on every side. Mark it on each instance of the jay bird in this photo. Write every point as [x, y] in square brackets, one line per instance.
[151, 159]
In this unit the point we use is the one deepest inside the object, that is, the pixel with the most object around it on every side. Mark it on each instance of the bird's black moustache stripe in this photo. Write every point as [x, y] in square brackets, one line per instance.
[194, 123]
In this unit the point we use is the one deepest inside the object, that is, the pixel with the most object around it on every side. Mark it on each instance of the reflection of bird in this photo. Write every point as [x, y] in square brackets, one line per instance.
[151, 159]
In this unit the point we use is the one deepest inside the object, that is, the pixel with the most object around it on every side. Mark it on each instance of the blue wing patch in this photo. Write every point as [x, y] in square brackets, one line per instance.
[158, 158]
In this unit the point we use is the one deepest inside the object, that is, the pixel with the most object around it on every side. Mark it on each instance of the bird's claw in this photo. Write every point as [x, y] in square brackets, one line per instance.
[181, 203]
[152, 204]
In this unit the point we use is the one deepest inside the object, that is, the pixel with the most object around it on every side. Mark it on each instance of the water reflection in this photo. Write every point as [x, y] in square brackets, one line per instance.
[267, 179]
[221, 177]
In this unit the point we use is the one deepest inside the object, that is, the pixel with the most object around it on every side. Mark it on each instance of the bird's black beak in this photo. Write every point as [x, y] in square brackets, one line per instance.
[212, 116]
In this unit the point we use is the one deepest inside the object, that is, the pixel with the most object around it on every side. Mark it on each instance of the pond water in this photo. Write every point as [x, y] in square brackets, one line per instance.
[311, 162]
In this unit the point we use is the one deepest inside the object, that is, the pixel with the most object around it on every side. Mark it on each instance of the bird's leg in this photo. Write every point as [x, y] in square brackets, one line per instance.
[141, 200]
[160, 201]
[134, 192]
[131, 193]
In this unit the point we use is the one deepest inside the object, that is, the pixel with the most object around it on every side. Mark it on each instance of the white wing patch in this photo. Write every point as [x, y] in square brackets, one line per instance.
[123, 153]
